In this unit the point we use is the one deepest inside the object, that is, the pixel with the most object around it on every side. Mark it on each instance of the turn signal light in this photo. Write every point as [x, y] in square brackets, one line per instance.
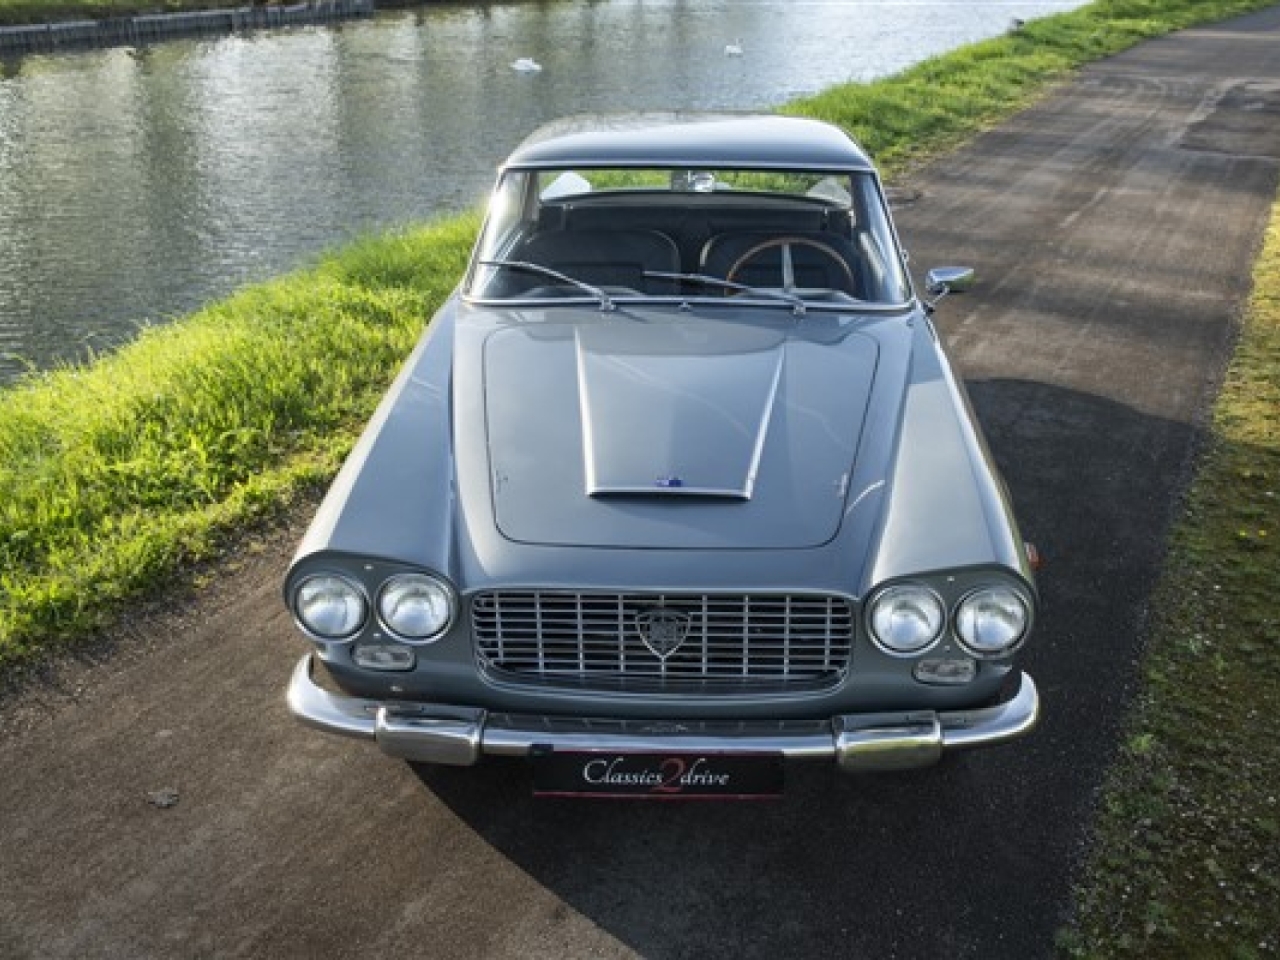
[946, 673]
[383, 656]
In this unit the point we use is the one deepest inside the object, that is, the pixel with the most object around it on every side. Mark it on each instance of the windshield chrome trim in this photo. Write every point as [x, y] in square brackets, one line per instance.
[819, 306]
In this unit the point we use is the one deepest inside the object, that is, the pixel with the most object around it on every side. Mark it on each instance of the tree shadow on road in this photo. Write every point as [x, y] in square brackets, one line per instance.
[972, 858]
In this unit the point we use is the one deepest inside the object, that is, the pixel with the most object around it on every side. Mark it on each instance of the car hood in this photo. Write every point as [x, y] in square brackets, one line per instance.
[661, 431]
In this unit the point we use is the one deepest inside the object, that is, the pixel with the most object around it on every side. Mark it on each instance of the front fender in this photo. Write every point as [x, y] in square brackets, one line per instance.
[394, 497]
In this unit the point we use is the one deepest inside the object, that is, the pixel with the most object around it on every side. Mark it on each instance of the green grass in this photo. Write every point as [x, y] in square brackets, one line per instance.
[1186, 860]
[118, 474]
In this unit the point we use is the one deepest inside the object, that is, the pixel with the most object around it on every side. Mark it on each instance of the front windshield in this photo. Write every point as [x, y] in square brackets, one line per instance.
[761, 236]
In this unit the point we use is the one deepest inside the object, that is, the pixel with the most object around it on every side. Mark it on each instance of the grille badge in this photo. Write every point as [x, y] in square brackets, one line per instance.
[662, 630]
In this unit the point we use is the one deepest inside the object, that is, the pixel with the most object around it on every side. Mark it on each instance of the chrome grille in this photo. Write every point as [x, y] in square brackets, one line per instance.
[711, 643]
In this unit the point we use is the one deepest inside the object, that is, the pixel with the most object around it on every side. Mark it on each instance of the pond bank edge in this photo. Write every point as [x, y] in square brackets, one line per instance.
[153, 27]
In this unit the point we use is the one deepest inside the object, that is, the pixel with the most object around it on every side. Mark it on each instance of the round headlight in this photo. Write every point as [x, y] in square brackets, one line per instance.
[415, 607]
[992, 621]
[330, 606]
[906, 619]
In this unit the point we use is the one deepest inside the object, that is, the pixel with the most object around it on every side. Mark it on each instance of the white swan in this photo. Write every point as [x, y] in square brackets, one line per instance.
[526, 65]
[733, 49]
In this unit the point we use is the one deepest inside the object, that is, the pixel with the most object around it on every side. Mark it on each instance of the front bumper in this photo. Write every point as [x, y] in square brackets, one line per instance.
[459, 736]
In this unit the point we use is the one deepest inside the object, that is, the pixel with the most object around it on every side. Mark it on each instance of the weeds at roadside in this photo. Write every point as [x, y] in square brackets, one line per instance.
[1186, 860]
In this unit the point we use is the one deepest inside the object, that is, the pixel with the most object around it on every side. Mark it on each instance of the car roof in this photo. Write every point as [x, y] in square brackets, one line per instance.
[738, 141]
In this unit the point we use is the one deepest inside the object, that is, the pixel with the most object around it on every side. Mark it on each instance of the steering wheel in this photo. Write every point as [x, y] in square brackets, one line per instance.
[788, 266]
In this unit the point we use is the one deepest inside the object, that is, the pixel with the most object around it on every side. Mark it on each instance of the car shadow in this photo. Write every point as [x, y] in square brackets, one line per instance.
[972, 858]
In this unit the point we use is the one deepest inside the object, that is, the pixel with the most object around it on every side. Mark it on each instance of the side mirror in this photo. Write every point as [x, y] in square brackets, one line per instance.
[943, 280]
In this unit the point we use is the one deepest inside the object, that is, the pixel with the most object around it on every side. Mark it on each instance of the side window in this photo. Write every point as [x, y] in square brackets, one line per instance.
[567, 184]
[879, 249]
[507, 217]
[508, 221]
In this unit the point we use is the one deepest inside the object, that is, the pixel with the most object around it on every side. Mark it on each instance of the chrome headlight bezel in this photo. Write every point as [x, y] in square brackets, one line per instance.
[969, 632]
[394, 622]
[356, 599]
[899, 597]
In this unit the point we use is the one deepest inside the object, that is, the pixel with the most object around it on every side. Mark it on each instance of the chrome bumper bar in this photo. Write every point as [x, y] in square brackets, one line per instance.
[459, 736]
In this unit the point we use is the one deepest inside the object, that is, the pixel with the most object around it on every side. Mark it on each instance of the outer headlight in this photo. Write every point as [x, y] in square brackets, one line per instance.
[415, 607]
[330, 606]
[906, 619]
[992, 621]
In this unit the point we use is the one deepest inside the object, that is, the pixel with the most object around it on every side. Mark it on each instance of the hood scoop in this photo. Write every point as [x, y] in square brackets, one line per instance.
[664, 431]
[667, 414]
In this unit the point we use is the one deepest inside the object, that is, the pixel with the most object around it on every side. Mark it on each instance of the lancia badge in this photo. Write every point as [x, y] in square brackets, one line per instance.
[662, 630]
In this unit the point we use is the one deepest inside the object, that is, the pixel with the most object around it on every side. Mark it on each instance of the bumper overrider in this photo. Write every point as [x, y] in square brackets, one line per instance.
[459, 736]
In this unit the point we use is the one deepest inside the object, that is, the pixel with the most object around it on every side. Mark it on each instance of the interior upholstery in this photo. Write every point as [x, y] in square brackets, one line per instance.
[606, 258]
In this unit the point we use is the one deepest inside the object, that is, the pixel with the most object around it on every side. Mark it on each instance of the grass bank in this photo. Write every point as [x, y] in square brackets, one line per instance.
[115, 475]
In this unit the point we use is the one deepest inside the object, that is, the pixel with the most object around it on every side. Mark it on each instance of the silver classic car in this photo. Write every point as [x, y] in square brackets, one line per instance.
[677, 487]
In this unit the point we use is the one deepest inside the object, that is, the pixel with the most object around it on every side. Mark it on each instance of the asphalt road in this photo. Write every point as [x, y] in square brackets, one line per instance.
[1113, 228]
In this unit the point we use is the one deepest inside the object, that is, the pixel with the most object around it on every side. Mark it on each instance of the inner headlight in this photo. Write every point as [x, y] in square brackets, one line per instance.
[330, 606]
[415, 607]
[992, 621]
[906, 619]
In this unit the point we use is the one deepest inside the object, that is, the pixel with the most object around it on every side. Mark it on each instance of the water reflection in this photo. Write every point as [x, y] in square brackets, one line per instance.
[136, 184]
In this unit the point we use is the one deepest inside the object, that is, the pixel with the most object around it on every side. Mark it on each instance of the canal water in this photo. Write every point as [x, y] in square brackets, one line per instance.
[139, 183]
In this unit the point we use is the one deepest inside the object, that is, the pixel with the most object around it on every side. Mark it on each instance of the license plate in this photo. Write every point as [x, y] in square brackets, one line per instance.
[657, 776]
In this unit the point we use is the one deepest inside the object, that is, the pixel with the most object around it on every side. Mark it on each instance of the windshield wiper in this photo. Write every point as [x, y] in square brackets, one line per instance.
[606, 303]
[797, 304]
